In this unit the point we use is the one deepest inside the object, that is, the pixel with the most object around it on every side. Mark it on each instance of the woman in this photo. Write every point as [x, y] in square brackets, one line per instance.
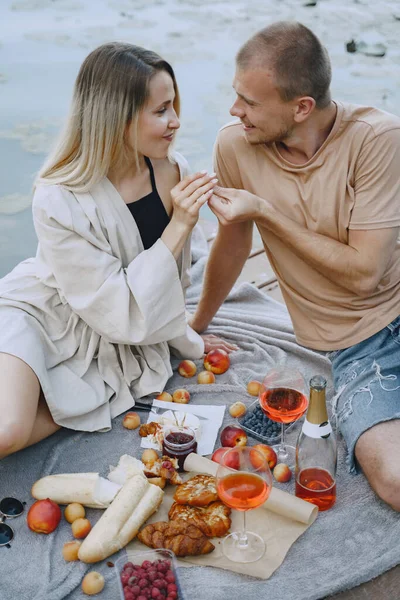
[89, 322]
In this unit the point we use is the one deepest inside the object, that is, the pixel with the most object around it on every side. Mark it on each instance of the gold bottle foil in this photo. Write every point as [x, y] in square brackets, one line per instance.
[317, 412]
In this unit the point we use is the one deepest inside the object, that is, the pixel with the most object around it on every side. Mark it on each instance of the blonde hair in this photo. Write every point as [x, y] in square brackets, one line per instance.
[110, 91]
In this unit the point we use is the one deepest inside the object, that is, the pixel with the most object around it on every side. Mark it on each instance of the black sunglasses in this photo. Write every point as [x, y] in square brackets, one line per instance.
[9, 509]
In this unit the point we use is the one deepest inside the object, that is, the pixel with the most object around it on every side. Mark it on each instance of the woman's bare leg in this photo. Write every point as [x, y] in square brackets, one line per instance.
[23, 419]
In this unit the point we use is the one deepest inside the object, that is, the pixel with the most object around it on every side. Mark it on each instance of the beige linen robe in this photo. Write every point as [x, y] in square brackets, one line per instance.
[94, 314]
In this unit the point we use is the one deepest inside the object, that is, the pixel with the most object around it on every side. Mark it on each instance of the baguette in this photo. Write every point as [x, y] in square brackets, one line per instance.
[120, 523]
[88, 489]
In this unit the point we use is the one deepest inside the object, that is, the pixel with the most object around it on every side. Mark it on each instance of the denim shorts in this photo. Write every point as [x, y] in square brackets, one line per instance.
[367, 385]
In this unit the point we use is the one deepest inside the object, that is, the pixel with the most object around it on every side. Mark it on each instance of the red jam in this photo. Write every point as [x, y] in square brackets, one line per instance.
[179, 444]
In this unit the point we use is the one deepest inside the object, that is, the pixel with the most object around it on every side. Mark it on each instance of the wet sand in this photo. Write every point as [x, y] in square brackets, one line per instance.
[43, 42]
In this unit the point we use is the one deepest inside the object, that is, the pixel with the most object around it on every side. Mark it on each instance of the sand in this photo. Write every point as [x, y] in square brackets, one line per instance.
[43, 42]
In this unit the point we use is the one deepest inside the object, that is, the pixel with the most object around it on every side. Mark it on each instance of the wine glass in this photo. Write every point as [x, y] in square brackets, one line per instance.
[244, 482]
[283, 398]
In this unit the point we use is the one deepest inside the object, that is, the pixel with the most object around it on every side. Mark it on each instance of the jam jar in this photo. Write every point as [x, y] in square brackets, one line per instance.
[178, 443]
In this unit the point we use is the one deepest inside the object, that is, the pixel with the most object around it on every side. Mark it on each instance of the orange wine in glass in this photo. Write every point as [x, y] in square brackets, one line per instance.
[283, 398]
[245, 488]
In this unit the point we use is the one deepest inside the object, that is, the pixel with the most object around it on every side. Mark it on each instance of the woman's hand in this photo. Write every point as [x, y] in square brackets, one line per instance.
[189, 195]
[212, 342]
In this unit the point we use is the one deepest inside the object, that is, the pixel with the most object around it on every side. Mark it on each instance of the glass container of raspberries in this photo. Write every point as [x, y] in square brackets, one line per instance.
[260, 427]
[148, 575]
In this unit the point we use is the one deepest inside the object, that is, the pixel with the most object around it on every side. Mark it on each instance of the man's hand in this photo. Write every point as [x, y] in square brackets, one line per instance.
[212, 342]
[233, 206]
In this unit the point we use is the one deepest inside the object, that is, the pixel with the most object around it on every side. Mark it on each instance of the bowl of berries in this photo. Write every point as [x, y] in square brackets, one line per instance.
[260, 427]
[148, 575]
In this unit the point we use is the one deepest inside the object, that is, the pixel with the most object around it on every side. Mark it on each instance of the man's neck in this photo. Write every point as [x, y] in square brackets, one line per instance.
[307, 138]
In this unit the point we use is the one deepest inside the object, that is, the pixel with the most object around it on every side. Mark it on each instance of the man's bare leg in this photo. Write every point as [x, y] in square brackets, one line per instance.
[378, 453]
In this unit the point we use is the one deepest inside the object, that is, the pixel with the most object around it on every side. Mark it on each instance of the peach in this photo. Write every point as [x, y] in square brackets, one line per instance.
[268, 453]
[149, 456]
[217, 454]
[206, 377]
[181, 396]
[233, 436]
[70, 550]
[74, 511]
[93, 583]
[131, 420]
[253, 388]
[44, 516]
[282, 473]
[164, 397]
[231, 461]
[237, 409]
[187, 368]
[217, 361]
[80, 528]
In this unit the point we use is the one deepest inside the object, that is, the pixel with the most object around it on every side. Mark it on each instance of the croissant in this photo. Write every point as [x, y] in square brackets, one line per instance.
[149, 429]
[181, 538]
[213, 520]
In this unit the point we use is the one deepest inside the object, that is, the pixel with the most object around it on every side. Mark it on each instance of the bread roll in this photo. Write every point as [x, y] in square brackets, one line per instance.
[133, 505]
[88, 489]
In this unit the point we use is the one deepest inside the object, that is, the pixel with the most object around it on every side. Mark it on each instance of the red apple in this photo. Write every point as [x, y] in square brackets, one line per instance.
[232, 436]
[282, 473]
[44, 516]
[206, 377]
[217, 361]
[187, 368]
[268, 453]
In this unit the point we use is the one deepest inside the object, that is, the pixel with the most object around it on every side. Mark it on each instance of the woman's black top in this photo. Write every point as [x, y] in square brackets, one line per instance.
[149, 213]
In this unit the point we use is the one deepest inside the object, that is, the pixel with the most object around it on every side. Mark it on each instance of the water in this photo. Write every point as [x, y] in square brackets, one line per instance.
[43, 42]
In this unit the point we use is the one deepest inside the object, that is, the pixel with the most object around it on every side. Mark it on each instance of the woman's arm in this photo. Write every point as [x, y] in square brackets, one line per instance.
[140, 304]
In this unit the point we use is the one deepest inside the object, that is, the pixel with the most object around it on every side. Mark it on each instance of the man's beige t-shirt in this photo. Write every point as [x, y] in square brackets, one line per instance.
[352, 182]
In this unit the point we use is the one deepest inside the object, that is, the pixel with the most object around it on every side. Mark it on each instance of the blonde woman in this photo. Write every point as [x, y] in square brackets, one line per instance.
[87, 325]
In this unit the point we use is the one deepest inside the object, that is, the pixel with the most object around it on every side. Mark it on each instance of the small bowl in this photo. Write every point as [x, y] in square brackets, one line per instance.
[137, 558]
[274, 439]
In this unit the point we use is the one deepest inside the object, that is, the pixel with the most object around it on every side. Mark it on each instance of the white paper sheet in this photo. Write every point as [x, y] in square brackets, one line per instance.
[211, 418]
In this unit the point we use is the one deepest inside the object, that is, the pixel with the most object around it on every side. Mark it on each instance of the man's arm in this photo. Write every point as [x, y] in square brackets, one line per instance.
[228, 254]
[358, 265]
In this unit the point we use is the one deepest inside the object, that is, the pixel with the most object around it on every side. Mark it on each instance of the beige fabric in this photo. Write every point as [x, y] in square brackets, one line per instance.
[94, 313]
[352, 182]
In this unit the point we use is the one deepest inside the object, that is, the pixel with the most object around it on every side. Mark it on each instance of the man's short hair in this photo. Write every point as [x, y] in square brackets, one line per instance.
[299, 61]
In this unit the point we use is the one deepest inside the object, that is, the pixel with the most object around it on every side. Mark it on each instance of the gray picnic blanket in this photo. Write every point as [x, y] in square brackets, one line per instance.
[355, 541]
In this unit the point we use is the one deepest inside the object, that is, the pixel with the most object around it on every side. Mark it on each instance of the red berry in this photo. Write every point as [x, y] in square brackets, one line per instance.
[155, 593]
[141, 598]
[135, 589]
[170, 577]
[146, 564]
[142, 583]
[159, 583]
[125, 578]
[171, 587]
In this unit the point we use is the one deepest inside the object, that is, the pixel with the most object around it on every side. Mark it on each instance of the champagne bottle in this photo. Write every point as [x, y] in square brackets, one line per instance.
[316, 454]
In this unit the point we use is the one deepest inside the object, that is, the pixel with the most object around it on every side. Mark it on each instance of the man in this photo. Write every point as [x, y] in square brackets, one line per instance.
[321, 180]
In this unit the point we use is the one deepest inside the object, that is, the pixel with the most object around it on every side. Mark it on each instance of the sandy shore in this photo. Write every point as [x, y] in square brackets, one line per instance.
[43, 42]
